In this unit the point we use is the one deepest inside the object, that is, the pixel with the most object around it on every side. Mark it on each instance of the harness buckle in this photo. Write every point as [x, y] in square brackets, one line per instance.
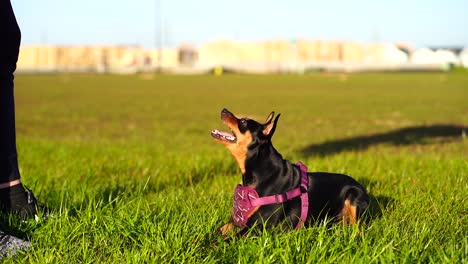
[281, 198]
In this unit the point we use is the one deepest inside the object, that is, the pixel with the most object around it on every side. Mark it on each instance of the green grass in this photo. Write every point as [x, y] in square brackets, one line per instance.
[129, 168]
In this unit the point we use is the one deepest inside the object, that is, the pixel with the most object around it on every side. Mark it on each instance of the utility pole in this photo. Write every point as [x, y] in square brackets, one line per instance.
[158, 33]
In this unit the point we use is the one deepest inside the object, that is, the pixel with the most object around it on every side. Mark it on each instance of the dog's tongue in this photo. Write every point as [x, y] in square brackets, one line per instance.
[224, 134]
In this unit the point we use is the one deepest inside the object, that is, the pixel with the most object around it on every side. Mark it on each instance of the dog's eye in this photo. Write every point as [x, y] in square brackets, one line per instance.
[243, 121]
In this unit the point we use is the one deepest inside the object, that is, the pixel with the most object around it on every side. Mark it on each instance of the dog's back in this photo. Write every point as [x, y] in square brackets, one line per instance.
[336, 196]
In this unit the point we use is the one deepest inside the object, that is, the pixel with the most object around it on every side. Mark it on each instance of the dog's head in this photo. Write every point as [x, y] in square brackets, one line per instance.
[247, 134]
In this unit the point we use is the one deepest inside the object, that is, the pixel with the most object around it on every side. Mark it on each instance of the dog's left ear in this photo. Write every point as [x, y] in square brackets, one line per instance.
[270, 117]
[270, 126]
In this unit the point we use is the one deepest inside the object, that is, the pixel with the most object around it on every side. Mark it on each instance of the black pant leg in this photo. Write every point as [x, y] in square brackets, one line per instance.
[9, 49]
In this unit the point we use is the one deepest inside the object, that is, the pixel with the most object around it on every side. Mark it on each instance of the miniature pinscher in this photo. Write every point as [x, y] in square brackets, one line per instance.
[275, 192]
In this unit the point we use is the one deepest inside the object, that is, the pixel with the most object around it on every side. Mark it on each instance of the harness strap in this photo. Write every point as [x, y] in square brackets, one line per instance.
[304, 195]
[283, 197]
[277, 198]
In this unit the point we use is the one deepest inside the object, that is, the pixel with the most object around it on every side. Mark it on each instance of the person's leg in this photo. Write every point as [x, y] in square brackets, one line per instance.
[9, 50]
[13, 196]
[11, 190]
[12, 193]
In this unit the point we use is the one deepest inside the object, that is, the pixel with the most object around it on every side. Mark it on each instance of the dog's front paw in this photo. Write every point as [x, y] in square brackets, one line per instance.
[226, 229]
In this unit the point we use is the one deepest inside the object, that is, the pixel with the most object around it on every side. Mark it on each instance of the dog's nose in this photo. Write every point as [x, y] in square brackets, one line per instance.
[225, 112]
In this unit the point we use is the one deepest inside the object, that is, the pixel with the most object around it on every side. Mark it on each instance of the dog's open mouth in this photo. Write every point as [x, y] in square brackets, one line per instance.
[223, 136]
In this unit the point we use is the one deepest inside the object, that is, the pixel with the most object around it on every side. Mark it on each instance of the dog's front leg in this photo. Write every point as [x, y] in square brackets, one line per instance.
[227, 229]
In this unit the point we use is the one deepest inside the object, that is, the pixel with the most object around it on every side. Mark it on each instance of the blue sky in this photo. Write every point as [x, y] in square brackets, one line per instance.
[136, 22]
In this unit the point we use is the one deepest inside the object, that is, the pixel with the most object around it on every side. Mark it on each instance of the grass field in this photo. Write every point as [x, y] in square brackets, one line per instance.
[129, 168]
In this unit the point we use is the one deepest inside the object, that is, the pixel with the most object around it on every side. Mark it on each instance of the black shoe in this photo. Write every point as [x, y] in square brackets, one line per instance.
[33, 209]
[22, 202]
[9, 245]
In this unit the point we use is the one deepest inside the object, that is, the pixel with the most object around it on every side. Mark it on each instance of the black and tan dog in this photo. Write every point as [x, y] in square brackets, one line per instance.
[266, 174]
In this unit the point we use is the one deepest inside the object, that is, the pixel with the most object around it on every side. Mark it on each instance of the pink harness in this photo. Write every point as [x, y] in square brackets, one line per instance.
[246, 200]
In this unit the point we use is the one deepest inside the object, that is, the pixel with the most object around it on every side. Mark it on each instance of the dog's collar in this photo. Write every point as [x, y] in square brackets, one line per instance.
[247, 200]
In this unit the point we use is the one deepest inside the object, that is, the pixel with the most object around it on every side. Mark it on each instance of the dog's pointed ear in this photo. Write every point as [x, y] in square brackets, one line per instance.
[270, 117]
[270, 126]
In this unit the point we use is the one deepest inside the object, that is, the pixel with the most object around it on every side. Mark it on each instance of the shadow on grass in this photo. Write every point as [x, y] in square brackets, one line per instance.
[399, 137]
[378, 204]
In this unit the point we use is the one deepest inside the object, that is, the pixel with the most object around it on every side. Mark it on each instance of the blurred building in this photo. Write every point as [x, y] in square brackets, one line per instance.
[238, 56]
[447, 57]
[464, 57]
[423, 56]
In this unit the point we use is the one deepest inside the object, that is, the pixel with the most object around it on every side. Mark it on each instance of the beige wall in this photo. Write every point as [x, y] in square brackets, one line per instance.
[274, 53]
[83, 58]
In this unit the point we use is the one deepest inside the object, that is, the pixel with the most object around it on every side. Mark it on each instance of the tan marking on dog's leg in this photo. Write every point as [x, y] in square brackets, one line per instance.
[253, 211]
[349, 213]
[226, 229]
